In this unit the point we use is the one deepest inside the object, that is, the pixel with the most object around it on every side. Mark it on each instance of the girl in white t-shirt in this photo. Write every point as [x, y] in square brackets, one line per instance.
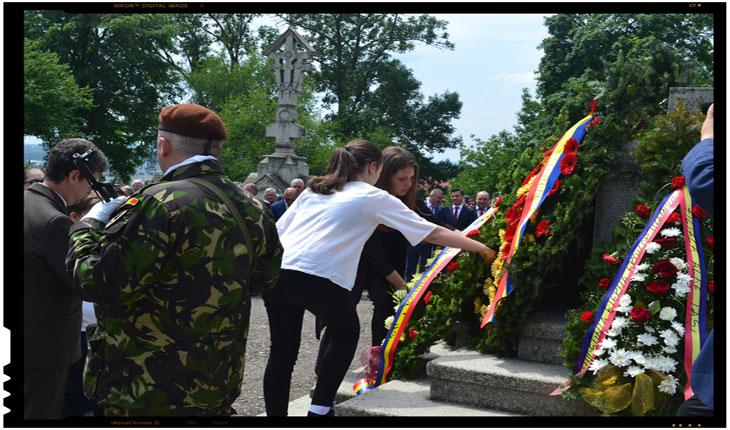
[323, 234]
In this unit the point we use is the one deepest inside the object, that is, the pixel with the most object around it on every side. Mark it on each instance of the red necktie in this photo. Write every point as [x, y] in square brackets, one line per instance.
[456, 213]
[481, 212]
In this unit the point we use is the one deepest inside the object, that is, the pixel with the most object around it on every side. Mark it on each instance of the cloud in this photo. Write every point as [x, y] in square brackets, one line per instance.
[521, 78]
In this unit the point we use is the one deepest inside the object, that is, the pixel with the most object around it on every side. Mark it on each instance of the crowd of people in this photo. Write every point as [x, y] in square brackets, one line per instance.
[150, 295]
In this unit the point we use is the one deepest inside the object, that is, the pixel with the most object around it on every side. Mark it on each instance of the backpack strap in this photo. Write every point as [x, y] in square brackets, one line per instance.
[232, 207]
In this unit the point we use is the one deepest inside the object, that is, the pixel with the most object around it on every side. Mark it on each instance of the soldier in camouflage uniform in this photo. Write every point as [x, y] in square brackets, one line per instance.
[170, 276]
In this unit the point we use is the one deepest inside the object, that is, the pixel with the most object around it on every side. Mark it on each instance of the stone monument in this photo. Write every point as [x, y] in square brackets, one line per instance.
[278, 169]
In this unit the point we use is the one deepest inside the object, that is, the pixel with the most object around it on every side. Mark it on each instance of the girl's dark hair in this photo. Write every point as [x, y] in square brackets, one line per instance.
[394, 159]
[344, 166]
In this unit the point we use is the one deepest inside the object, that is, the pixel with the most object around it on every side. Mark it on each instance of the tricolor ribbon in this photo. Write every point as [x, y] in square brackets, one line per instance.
[695, 329]
[541, 186]
[405, 309]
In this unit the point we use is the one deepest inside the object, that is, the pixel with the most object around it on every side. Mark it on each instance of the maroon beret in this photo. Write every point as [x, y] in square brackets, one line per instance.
[192, 120]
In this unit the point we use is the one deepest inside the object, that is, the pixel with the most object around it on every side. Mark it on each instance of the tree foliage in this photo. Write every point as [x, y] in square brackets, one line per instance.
[53, 104]
[113, 55]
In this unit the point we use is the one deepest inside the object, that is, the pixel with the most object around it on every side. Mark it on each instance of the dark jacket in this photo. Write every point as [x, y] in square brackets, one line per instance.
[51, 309]
[465, 217]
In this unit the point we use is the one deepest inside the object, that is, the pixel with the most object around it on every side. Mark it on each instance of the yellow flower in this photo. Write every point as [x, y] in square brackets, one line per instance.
[483, 310]
[523, 189]
[530, 238]
[533, 218]
[487, 285]
[497, 266]
[477, 305]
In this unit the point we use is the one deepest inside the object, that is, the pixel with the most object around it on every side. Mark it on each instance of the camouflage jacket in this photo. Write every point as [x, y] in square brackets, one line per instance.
[169, 277]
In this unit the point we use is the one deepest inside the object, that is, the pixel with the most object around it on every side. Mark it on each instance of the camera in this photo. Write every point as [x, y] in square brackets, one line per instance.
[706, 105]
[104, 190]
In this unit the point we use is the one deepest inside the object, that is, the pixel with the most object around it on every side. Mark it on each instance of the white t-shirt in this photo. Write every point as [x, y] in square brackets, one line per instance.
[323, 235]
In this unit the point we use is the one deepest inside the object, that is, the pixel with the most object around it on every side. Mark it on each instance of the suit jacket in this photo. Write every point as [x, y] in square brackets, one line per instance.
[51, 310]
[466, 216]
[278, 209]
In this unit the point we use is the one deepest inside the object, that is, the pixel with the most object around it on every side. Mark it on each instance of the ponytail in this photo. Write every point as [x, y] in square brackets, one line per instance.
[345, 165]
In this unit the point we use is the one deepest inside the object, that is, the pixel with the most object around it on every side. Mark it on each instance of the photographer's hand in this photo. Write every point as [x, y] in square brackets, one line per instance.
[102, 211]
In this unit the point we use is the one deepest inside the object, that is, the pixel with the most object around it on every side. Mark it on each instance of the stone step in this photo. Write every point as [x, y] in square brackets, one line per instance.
[488, 382]
[407, 399]
[541, 338]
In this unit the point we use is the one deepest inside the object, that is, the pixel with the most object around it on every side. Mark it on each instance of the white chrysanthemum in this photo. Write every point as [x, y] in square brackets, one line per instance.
[667, 314]
[638, 277]
[650, 363]
[649, 329]
[683, 277]
[620, 323]
[678, 263]
[670, 337]
[632, 371]
[389, 322]
[647, 339]
[597, 364]
[625, 300]
[669, 385]
[665, 364]
[624, 309]
[613, 332]
[608, 343]
[681, 289]
[620, 358]
[652, 247]
[669, 349]
[678, 327]
[599, 351]
[638, 357]
[671, 232]
[642, 267]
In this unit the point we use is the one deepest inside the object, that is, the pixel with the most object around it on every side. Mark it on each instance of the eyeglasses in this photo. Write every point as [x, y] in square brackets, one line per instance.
[32, 181]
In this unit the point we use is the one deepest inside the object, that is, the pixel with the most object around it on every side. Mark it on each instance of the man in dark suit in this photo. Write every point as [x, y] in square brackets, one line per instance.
[51, 310]
[419, 254]
[278, 208]
[458, 215]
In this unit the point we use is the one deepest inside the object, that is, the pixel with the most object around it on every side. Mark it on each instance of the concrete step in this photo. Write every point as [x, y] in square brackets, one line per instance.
[542, 336]
[406, 399]
[488, 382]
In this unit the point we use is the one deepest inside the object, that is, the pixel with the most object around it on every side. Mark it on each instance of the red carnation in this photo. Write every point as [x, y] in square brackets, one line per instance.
[665, 269]
[542, 228]
[674, 217]
[607, 258]
[472, 233]
[666, 243]
[520, 201]
[711, 287]
[699, 212]
[593, 106]
[710, 240]
[451, 268]
[678, 182]
[555, 187]
[427, 297]
[412, 333]
[505, 252]
[571, 146]
[642, 211]
[657, 287]
[567, 164]
[604, 283]
[509, 234]
[595, 121]
[587, 316]
[512, 216]
[499, 200]
[640, 314]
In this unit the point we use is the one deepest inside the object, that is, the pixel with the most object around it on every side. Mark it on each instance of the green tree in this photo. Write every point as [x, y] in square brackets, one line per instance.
[373, 93]
[53, 104]
[117, 56]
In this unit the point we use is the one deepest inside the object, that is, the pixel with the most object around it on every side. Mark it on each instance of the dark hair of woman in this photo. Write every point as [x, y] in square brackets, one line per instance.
[396, 158]
[345, 165]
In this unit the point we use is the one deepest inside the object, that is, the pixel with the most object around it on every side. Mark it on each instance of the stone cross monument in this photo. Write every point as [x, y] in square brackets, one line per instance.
[278, 169]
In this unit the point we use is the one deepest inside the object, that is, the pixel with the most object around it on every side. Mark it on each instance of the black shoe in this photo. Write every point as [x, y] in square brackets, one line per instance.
[331, 413]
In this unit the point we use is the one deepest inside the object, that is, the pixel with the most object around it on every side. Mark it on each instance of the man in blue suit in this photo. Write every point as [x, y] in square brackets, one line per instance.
[278, 208]
[458, 215]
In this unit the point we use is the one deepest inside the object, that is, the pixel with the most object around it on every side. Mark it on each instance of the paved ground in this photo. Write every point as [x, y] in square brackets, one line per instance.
[251, 401]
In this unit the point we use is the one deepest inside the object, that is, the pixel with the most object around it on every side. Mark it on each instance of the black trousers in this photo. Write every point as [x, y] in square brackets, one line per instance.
[693, 407]
[294, 293]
